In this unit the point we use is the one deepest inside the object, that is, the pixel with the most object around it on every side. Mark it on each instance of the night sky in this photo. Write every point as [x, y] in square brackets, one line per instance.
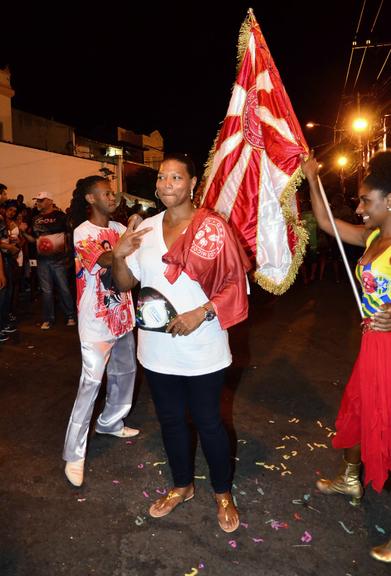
[171, 66]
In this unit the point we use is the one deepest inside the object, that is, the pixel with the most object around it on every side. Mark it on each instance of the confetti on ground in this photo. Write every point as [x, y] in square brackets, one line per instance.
[193, 572]
[232, 543]
[116, 481]
[320, 445]
[294, 420]
[297, 516]
[235, 501]
[200, 477]
[280, 447]
[243, 441]
[306, 537]
[301, 545]
[84, 499]
[277, 525]
[201, 565]
[286, 472]
[310, 446]
[345, 528]
[242, 493]
[30, 347]
[380, 529]
[261, 491]
[140, 466]
[160, 491]
[319, 423]
[146, 495]
[139, 520]
[244, 524]
[129, 442]
[157, 464]
[257, 540]
[306, 497]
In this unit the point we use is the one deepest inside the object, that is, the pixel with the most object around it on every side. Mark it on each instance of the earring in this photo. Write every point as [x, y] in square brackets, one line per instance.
[389, 208]
[156, 194]
[191, 194]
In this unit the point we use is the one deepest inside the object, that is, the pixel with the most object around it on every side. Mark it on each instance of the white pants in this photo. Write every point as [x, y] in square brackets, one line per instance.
[119, 356]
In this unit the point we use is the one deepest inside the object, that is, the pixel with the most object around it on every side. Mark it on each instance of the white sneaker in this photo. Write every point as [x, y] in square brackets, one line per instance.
[74, 471]
[46, 326]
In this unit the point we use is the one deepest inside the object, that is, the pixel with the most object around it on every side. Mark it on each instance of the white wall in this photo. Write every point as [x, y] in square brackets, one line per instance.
[28, 171]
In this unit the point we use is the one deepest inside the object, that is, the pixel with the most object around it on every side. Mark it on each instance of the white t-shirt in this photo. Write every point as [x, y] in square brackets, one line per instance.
[203, 351]
[104, 313]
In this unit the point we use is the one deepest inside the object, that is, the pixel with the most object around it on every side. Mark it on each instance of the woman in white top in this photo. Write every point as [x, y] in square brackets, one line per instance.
[182, 343]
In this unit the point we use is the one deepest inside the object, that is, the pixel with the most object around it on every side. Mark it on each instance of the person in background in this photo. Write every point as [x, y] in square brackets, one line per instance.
[364, 419]
[50, 234]
[190, 260]
[106, 320]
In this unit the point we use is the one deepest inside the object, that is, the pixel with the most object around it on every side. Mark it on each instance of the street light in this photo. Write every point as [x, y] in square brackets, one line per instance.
[360, 124]
[318, 124]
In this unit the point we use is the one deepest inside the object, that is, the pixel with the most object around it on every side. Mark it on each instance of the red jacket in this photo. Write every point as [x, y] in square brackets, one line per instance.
[209, 253]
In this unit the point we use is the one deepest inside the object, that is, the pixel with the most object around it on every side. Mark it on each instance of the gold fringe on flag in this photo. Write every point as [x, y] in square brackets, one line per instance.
[299, 230]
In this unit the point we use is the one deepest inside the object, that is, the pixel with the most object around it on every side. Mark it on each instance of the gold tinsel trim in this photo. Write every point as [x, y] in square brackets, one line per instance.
[299, 230]
[243, 40]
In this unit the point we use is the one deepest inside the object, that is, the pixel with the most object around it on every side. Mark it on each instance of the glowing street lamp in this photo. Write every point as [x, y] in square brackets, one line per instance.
[342, 161]
[360, 124]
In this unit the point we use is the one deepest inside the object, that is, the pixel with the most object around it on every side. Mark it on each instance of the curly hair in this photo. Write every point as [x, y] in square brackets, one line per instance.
[379, 176]
[79, 209]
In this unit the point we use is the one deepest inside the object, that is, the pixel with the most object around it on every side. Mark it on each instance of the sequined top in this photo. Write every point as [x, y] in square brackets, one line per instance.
[375, 279]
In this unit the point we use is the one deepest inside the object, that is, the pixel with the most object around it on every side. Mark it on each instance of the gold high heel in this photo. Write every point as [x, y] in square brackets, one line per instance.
[382, 553]
[347, 482]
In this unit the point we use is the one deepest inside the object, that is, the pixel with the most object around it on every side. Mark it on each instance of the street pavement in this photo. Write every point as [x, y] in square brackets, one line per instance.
[291, 361]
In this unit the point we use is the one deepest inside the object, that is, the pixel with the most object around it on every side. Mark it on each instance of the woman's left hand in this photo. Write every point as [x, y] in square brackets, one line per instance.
[381, 320]
[185, 323]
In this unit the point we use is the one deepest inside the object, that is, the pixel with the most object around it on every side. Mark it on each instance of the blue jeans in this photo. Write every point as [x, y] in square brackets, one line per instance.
[172, 396]
[51, 273]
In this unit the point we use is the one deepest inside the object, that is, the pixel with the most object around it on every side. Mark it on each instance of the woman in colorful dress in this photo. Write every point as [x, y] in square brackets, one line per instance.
[364, 419]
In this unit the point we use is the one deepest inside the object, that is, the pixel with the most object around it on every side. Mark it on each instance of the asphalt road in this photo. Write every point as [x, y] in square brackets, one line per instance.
[292, 359]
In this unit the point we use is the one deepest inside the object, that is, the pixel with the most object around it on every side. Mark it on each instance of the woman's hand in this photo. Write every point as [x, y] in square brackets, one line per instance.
[310, 167]
[184, 324]
[381, 320]
[131, 239]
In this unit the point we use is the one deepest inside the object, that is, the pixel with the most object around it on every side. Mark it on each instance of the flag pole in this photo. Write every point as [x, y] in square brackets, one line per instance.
[341, 248]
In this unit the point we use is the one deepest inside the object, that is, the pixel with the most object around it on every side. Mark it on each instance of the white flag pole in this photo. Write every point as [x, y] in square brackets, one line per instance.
[341, 248]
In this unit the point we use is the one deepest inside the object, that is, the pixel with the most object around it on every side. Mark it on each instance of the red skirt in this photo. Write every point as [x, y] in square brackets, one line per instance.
[364, 416]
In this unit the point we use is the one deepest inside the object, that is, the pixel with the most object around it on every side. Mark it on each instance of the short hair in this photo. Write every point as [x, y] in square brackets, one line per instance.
[184, 159]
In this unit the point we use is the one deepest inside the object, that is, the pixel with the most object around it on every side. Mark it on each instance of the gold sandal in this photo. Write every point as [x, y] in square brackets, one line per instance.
[157, 508]
[226, 503]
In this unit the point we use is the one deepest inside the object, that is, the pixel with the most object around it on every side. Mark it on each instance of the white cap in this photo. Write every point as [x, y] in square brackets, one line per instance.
[43, 195]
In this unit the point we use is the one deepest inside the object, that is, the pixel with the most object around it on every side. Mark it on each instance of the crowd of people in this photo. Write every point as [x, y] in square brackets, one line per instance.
[192, 273]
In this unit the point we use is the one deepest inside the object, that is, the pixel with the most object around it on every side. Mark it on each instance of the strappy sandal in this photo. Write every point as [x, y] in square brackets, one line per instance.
[157, 510]
[227, 505]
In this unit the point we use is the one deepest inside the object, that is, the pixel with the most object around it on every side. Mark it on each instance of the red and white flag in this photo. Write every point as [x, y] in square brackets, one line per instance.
[253, 169]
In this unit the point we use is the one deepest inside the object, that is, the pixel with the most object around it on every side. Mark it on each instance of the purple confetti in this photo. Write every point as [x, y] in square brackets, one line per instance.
[256, 540]
[306, 537]
[244, 524]
[232, 543]
[160, 491]
[201, 566]
[146, 494]
[277, 525]
[116, 482]
[129, 442]
[140, 466]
